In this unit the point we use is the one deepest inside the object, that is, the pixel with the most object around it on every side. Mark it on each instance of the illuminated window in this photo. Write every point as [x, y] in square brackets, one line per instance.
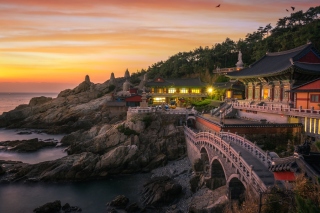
[172, 90]
[160, 90]
[319, 127]
[184, 90]
[195, 90]
[158, 100]
[305, 124]
[314, 125]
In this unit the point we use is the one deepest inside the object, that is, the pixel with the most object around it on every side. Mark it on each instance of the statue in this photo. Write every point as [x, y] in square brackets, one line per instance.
[240, 56]
[239, 64]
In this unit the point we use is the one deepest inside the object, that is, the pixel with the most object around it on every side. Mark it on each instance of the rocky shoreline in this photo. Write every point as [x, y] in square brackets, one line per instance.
[102, 142]
[30, 145]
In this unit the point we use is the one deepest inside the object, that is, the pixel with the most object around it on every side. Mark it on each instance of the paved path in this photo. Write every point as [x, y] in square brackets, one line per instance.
[230, 120]
[258, 167]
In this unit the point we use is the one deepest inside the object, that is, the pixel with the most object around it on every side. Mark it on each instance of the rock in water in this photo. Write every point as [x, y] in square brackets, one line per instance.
[53, 207]
[120, 201]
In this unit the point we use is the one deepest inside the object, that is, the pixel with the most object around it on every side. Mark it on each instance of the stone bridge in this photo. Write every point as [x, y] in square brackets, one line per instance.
[231, 160]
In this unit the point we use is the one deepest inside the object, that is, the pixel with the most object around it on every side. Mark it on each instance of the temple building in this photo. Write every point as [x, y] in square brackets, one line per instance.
[271, 78]
[176, 90]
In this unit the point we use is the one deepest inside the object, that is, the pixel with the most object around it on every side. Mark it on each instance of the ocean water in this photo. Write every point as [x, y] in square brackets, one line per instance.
[9, 101]
[41, 155]
[91, 196]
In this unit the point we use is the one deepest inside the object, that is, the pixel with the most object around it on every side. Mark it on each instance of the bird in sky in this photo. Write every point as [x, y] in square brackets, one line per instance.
[218, 5]
[287, 10]
[293, 8]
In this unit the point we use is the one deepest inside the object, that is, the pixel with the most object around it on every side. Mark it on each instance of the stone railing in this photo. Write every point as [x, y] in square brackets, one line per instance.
[215, 141]
[255, 150]
[225, 70]
[277, 108]
[141, 110]
[179, 94]
[137, 110]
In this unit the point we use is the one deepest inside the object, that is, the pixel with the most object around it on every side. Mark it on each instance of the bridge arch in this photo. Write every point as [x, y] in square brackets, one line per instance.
[236, 188]
[217, 174]
[191, 120]
[204, 156]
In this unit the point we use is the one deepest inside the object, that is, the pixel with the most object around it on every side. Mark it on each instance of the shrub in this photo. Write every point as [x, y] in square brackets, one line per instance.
[126, 130]
[147, 120]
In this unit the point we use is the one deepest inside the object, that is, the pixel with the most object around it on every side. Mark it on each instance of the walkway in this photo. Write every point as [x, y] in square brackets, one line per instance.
[258, 167]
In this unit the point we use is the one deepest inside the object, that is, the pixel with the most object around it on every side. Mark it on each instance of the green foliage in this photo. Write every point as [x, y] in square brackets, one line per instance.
[203, 105]
[273, 142]
[305, 205]
[147, 120]
[126, 130]
[111, 87]
[222, 78]
[202, 102]
[318, 145]
[289, 32]
[136, 78]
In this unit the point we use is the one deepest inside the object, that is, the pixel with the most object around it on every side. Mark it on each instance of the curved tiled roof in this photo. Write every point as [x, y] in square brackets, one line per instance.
[308, 66]
[194, 82]
[275, 63]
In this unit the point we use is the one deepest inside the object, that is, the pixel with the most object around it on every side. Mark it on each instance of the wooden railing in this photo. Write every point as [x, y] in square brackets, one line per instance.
[217, 141]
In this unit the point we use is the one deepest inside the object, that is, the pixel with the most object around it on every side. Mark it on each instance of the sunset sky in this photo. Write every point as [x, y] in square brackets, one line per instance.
[50, 45]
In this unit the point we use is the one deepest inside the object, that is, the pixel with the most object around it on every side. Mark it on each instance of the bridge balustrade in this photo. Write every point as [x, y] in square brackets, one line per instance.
[255, 150]
[276, 108]
[215, 141]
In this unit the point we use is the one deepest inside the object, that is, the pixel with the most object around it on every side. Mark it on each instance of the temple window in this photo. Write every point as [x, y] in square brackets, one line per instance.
[195, 90]
[184, 90]
[172, 90]
[158, 100]
[160, 90]
[315, 98]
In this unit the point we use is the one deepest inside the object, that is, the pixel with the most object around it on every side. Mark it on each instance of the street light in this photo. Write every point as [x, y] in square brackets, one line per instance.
[210, 90]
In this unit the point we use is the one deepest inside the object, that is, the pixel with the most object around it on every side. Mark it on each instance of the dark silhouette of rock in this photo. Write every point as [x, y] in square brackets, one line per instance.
[27, 145]
[53, 207]
[120, 201]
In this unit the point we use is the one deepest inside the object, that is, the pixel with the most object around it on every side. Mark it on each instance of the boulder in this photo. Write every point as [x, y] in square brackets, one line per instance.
[206, 200]
[198, 165]
[39, 100]
[52, 207]
[160, 191]
[120, 201]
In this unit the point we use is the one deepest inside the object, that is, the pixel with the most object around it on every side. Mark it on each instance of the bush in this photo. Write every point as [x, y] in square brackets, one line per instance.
[147, 120]
[126, 130]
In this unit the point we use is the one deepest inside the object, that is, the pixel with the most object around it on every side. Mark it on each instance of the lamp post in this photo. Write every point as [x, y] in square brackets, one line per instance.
[210, 92]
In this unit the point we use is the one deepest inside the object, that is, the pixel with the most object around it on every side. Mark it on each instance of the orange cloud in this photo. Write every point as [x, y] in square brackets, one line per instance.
[58, 40]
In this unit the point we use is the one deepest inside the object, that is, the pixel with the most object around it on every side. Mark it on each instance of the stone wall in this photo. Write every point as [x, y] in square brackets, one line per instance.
[193, 152]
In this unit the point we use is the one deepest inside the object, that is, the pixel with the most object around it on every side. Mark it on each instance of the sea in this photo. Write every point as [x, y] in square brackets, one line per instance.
[91, 196]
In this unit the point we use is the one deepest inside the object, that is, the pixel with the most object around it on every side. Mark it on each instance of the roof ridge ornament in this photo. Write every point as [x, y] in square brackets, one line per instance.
[291, 61]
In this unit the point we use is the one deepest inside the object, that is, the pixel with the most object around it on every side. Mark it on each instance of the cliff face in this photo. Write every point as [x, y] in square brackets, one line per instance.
[100, 142]
[72, 110]
[109, 149]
